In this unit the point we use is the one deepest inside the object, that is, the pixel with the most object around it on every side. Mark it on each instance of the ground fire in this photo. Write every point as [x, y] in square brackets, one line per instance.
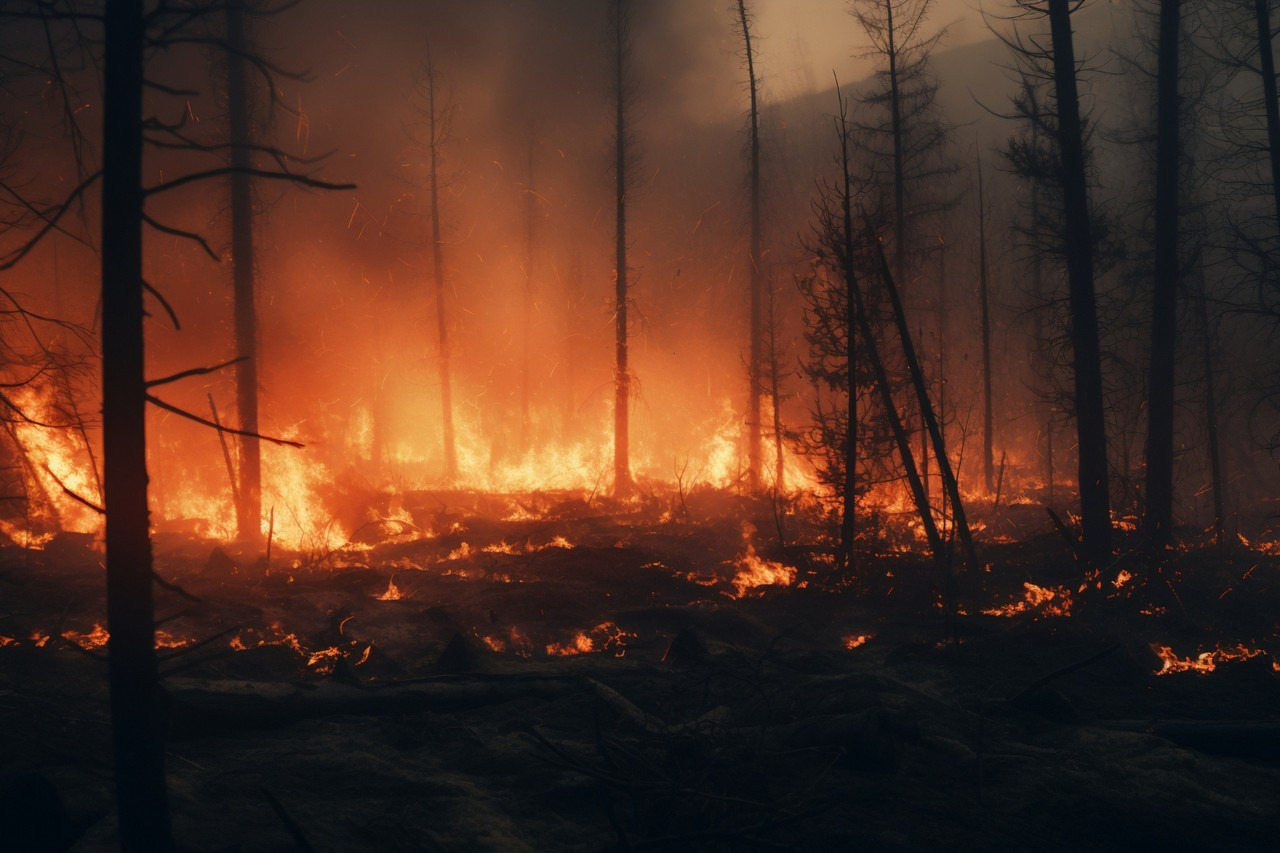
[626, 425]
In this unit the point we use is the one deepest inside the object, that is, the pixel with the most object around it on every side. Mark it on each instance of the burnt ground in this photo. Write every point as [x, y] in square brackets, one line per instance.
[305, 712]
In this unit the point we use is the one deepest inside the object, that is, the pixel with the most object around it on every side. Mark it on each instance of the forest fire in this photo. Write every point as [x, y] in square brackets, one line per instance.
[515, 426]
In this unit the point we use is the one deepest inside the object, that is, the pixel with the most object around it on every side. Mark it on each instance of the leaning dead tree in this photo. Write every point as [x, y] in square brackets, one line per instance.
[620, 38]
[755, 276]
[841, 337]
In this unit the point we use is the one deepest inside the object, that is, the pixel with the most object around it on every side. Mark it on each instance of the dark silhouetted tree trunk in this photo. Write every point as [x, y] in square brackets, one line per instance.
[139, 751]
[526, 320]
[756, 278]
[239, 102]
[988, 423]
[435, 130]
[1267, 65]
[1095, 498]
[945, 472]
[1158, 519]
[622, 482]
[857, 313]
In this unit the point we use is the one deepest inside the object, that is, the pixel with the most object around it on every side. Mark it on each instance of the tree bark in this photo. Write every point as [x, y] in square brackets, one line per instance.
[945, 472]
[754, 367]
[1095, 498]
[1267, 65]
[437, 268]
[857, 313]
[622, 482]
[141, 799]
[1158, 519]
[527, 313]
[988, 423]
[239, 103]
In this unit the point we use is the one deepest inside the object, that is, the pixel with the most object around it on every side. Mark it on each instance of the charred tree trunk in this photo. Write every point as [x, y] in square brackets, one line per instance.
[1158, 519]
[135, 714]
[775, 395]
[239, 102]
[853, 310]
[899, 178]
[1267, 65]
[945, 472]
[437, 269]
[1095, 497]
[754, 367]
[622, 482]
[988, 423]
[1217, 483]
[857, 313]
[527, 314]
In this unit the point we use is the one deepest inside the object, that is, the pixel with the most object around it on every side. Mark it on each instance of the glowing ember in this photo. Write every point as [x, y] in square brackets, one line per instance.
[581, 645]
[1046, 601]
[393, 592]
[1203, 663]
[95, 639]
[853, 641]
[1121, 579]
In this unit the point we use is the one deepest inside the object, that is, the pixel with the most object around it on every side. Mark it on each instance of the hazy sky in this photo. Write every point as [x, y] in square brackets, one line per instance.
[815, 36]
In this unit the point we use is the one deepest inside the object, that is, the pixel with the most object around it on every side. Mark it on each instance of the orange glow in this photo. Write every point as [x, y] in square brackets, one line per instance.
[1204, 662]
[1044, 601]
[392, 593]
[95, 639]
[754, 572]
[854, 641]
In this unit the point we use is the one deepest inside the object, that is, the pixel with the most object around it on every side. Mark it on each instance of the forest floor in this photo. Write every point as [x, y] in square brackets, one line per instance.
[549, 673]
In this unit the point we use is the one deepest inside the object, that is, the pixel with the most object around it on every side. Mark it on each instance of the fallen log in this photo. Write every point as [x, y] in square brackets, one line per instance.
[1254, 739]
[206, 706]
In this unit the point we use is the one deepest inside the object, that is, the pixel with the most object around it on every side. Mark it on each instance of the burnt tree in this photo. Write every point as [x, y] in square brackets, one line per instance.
[248, 489]
[1158, 518]
[437, 130]
[755, 278]
[620, 37]
[141, 798]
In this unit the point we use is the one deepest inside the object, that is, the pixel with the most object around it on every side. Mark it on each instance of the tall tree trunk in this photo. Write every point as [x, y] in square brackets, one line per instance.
[754, 367]
[239, 102]
[1095, 497]
[775, 395]
[135, 714]
[899, 178]
[1267, 65]
[1217, 483]
[853, 300]
[437, 268]
[622, 482]
[1158, 520]
[527, 318]
[988, 423]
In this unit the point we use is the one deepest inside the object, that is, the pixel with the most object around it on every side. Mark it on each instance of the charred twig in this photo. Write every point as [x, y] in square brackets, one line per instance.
[195, 371]
[175, 588]
[186, 650]
[73, 495]
[169, 407]
[290, 824]
[226, 452]
[1059, 673]
[1073, 543]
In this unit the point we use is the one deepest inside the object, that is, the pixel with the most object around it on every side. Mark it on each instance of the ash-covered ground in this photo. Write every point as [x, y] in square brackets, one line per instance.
[560, 672]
